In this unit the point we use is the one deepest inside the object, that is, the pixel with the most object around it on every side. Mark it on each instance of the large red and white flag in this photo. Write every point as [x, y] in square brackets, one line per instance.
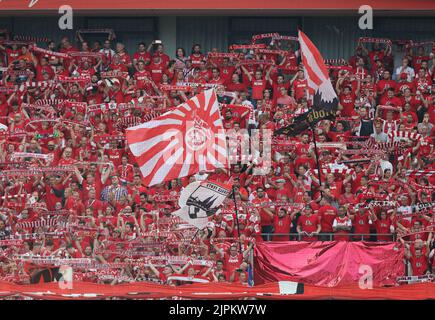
[181, 142]
[319, 84]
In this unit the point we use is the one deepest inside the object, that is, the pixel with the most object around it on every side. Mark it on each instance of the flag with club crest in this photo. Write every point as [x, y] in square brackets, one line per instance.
[180, 142]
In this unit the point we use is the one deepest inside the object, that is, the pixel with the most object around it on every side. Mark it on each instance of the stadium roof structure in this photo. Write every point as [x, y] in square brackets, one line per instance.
[278, 7]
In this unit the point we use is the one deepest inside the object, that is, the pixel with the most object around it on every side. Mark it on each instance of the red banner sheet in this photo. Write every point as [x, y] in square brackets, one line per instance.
[81, 291]
[329, 263]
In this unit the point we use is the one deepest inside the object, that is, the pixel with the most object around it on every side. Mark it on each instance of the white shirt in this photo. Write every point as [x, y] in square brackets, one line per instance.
[408, 70]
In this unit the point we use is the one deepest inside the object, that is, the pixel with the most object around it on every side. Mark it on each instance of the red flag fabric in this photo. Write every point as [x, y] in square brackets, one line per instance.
[214, 290]
[316, 71]
[329, 263]
[181, 142]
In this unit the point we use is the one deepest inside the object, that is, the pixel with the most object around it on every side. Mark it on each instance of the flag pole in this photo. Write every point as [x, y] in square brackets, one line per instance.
[317, 158]
[234, 194]
[237, 218]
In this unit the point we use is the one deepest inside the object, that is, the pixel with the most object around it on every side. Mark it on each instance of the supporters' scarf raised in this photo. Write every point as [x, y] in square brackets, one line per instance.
[335, 62]
[336, 171]
[353, 161]
[86, 54]
[122, 107]
[83, 79]
[399, 135]
[402, 233]
[16, 42]
[38, 260]
[339, 68]
[13, 196]
[50, 53]
[422, 207]
[35, 236]
[33, 107]
[256, 62]
[276, 204]
[283, 145]
[19, 173]
[201, 85]
[11, 135]
[31, 38]
[391, 108]
[288, 68]
[287, 38]
[420, 186]
[222, 55]
[104, 140]
[48, 157]
[75, 104]
[375, 40]
[377, 203]
[62, 212]
[39, 223]
[38, 121]
[17, 73]
[168, 87]
[50, 102]
[264, 36]
[415, 279]
[166, 198]
[8, 242]
[42, 85]
[421, 43]
[35, 171]
[363, 152]
[337, 145]
[8, 90]
[131, 121]
[247, 46]
[416, 173]
[278, 52]
[114, 74]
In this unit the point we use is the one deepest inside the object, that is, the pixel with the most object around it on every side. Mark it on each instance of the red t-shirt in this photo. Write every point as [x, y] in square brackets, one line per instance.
[258, 86]
[327, 215]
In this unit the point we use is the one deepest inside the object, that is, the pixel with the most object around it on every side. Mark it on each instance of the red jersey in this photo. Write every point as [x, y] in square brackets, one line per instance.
[299, 87]
[327, 215]
[281, 225]
[309, 225]
[258, 86]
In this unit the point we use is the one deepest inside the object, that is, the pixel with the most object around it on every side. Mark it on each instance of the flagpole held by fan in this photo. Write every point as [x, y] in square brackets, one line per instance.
[234, 197]
[317, 157]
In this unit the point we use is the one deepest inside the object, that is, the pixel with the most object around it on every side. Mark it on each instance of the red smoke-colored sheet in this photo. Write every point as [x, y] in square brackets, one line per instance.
[328, 264]
[83, 290]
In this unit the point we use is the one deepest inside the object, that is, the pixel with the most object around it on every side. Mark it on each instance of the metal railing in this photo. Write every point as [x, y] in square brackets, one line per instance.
[330, 236]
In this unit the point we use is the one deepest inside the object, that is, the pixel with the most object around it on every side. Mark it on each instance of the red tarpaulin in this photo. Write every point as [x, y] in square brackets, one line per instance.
[82, 290]
[329, 263]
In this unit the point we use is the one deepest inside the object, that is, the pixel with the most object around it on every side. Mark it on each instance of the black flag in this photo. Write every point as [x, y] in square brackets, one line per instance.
[325, 101]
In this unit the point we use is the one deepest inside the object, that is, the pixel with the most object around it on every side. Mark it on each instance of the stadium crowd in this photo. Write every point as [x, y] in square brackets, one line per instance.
[70, 189]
